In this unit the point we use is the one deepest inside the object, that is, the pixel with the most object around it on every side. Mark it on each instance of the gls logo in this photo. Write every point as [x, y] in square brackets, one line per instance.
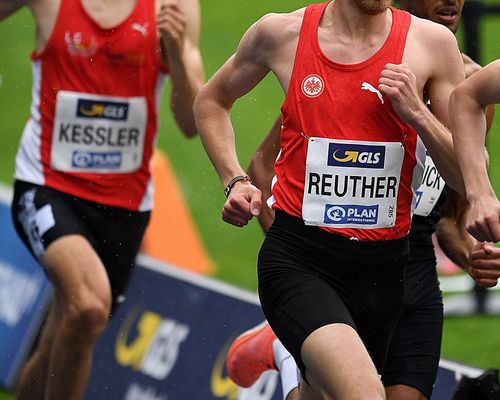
[350, 214]
[151, 345]
[102, 109]
[356, 155]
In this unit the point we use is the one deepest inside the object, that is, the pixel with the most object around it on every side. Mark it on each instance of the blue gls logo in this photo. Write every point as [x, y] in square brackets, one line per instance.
[350, 214]
[356, 155]
[96, 160]
[102, 109]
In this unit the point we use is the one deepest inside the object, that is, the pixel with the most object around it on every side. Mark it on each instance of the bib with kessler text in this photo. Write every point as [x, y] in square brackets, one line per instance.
[98, 134]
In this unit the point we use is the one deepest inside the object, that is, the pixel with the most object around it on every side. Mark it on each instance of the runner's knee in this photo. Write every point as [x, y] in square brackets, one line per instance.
[87, 316]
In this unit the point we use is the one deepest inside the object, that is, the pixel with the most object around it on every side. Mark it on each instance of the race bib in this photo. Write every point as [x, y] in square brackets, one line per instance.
[351, 184]
[427, 195]
[98, 134]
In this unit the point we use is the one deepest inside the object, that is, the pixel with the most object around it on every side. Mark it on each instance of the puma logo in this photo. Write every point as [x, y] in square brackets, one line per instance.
[142, 29]
[370, 88]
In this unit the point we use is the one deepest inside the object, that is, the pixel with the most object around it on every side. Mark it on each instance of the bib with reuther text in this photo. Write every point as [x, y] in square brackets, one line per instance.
[351, 184]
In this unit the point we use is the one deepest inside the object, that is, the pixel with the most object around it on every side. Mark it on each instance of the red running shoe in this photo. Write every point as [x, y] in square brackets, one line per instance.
[250, 355]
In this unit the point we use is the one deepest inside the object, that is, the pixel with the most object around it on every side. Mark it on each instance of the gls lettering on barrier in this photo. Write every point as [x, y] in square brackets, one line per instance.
[155, 346]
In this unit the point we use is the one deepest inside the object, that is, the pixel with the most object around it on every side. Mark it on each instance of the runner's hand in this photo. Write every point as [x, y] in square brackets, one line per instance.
[484, 264]
[244, 203]
[399, 84]
[483, 219]
[171, 23]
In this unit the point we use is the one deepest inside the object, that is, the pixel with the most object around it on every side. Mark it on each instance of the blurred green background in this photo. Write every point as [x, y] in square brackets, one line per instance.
[473, 340]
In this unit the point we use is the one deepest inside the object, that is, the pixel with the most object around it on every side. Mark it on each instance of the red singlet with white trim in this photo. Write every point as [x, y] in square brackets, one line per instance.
[94, 108]
[347, 163]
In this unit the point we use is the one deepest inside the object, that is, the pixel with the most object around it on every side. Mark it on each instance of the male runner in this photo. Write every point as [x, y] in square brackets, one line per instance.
[467, 104]
[331, 269]
[413, 358]
[83, 191]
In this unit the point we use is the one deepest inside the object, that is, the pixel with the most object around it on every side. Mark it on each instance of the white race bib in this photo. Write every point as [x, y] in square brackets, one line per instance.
[351, 184]
[427, 195]
[98, 134]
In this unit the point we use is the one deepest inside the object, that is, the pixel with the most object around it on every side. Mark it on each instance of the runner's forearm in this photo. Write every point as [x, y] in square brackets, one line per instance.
[469, 136]
[261, 170]
[186, 83]
[439, 143]
[454, 241]
[217, 135]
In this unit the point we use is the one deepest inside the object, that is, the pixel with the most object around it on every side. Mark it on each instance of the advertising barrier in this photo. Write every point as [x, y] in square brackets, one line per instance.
[167, 341]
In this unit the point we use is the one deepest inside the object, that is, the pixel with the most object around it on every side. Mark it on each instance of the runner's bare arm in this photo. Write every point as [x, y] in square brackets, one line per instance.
[242, 72]
[484, 261]
[480, 260]
[471, 67]
[450, 230]
[467, 105]
[44, 13]
[444, 70]
[261, 170]
[179, 24]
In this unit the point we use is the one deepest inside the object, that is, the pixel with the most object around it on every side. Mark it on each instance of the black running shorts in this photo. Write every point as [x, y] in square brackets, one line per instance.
[413, 357]
[41, 215]
[309, 278]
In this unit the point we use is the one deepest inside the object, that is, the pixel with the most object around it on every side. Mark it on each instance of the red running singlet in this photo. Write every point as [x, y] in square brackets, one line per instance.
[94, 108]
[347, 163]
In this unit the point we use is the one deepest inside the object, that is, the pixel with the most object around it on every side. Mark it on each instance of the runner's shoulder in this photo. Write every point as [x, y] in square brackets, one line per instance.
[431, 34]
[277, 28]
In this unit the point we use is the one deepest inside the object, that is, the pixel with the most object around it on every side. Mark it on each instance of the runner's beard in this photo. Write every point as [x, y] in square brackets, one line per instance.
[373, 7]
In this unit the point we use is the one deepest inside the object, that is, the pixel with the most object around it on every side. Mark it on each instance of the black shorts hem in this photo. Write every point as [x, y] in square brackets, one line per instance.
[426, 391]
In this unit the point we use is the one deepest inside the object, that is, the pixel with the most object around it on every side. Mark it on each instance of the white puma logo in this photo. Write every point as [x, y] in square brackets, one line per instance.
[143, 29]
[367, 86]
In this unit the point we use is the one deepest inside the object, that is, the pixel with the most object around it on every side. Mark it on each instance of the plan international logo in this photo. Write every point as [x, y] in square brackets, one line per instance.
[96, 160]
[351, 214]
[356, 155]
